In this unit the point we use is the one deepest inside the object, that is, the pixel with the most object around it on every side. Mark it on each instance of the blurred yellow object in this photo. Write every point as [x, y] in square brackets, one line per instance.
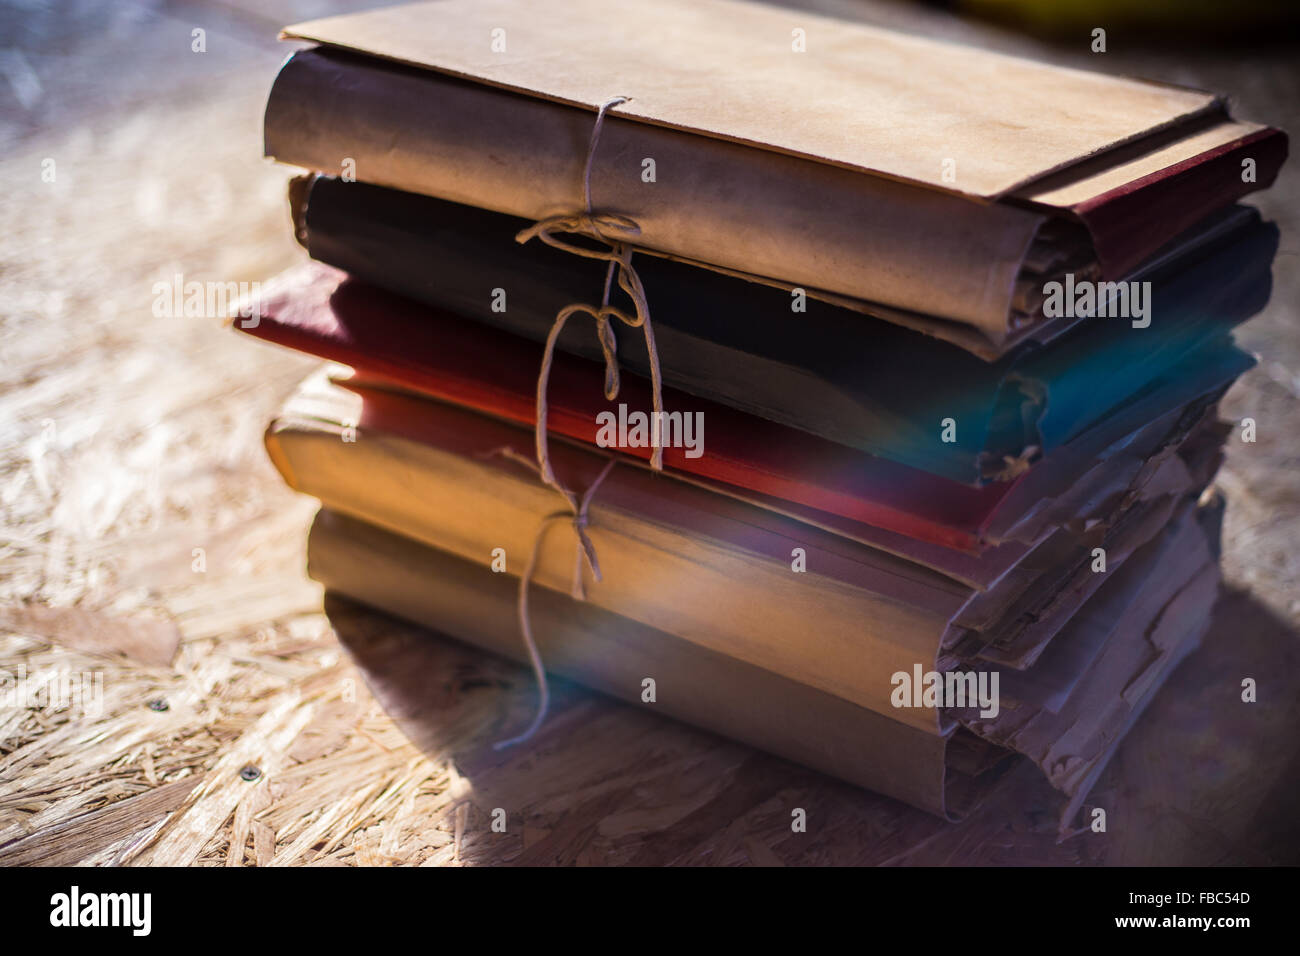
[1176, 16]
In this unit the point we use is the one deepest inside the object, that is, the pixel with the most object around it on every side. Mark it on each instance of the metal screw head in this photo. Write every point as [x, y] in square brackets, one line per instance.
[158, 704]
[250, 773]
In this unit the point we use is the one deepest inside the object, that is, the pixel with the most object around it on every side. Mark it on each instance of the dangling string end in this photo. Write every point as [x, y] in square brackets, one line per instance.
[578, 516]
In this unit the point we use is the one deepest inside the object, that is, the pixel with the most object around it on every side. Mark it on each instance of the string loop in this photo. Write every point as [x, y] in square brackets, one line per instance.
[614, 233]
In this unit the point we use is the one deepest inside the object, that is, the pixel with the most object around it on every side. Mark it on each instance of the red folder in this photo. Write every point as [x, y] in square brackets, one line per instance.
[319, 310]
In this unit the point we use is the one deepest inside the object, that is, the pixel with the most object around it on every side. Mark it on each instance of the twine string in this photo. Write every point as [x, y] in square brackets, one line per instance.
[614, 234]
[576, 514]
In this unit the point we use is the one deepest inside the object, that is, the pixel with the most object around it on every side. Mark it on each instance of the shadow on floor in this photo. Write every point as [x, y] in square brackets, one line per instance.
[1203, 778]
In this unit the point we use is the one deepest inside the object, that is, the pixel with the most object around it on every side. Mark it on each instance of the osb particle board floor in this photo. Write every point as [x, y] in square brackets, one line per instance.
[128, 441]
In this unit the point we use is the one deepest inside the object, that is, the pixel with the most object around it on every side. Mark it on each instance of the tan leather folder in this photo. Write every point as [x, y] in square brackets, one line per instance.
[934, 185]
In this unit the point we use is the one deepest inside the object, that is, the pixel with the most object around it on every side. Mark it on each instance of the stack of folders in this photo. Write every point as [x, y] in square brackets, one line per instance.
[906, 357]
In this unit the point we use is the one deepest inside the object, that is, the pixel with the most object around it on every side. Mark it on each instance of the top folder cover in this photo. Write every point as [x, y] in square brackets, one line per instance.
[933, 184]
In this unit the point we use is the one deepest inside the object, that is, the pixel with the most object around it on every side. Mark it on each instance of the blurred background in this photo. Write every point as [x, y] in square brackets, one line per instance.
[130, 146]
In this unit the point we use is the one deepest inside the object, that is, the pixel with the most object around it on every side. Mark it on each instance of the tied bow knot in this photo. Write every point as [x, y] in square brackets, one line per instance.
[600, 228]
